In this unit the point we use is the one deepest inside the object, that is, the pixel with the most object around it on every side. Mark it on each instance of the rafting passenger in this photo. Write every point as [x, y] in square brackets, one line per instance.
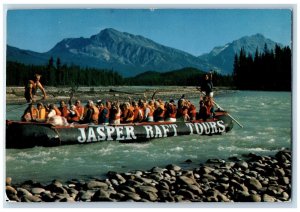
[54, 118]
[171, 111]
[92, 114]
[115, 111]
[30, 114]
[42, 113]
[104, 112]
[74, 115]
[137, 113]
[79, 108]
[127, 115]
[31, 89]
[63, 108]
[159, 112]
[142, 106]
[149, 110]
[210, 107]
[182, 112]
[192, 111]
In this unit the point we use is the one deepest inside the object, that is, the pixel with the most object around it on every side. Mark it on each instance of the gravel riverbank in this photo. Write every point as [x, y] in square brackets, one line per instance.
[251, 179]
[15, 95]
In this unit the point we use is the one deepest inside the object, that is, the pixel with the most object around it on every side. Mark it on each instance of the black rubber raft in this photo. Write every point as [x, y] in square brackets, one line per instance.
[30, 134]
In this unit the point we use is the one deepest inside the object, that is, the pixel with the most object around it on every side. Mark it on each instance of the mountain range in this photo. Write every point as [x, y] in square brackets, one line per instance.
[134, 54]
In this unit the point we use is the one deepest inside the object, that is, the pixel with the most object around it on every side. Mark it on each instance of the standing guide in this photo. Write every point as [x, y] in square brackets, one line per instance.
[31, 88]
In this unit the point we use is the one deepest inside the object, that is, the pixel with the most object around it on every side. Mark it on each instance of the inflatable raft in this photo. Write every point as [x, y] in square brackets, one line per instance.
[30, 134]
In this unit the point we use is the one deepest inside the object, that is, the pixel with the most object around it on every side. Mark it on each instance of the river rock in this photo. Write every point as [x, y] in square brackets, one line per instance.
[37, 190]
[156, 176]
[195, 189]
[101, 195]
[186, 194]
[186, 180]
[23, 192]
[123, 188]
[85, 195]
[163, 185]
[241, 164]
[242, 196]
[148, 195]
[46, 197]
[158, 170]
[120, 178]
[206, 170]
[254, 183]
[209, 177]
[133, 196]
[255, 198]
[173, 167]
[93, 184]
[165, 195]
[146, 189]
[268, 198]
[144, 180]
[284, 180]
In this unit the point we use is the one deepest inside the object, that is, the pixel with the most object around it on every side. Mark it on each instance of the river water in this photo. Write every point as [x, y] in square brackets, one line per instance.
[266, 117]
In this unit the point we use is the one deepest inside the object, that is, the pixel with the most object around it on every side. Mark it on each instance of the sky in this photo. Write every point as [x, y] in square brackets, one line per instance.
[195, 31]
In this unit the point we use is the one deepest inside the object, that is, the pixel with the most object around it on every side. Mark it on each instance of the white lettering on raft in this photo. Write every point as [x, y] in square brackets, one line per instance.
[106, 133]
[121, 133]
[206, 127]
[158, 131]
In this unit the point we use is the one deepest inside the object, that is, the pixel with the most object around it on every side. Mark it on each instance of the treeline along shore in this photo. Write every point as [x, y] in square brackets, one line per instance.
[253, 178]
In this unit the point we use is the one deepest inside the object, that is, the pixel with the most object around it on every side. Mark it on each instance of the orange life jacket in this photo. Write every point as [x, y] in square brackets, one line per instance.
[74, 117]
[95, 115]
[137, 114]
[64, 111]
[151, 111]
[80, 110]
[42, 114]
[192, 111]
[172, 111]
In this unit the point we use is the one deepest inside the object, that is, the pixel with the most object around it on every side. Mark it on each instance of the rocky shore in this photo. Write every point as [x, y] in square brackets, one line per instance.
[253, 179]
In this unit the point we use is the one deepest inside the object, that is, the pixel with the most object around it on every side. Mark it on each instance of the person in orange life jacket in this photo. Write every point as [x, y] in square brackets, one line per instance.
[182, 112]
[63, 108]
[142, 106]
[115, 113]
[105, 112]
[92, 113]
[149, 110]
[171, 111]
[137, 113]
[79, 108]
[159, 112]
[52, 111]
[127, 115]
[54, 117]
[210, 107]
[74, 115]
[30, 114]
[42, 113]
[31, 88]
[192, 111]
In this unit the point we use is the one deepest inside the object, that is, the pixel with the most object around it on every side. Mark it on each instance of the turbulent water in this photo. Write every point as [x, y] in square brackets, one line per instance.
[266, 117]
